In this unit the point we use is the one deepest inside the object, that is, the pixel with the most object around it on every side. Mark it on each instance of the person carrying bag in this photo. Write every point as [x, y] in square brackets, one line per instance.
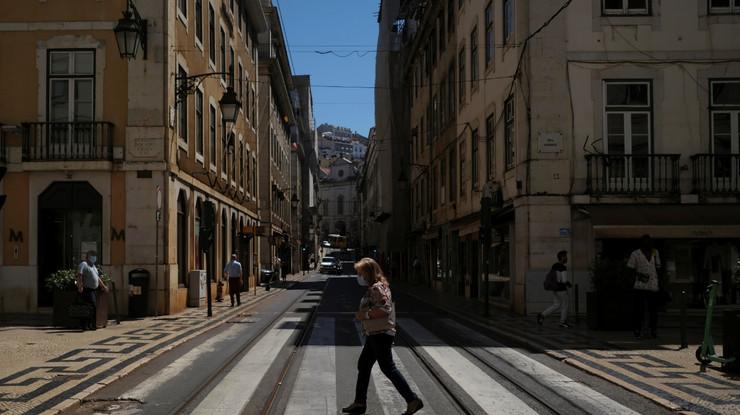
[557, 282]
[378, 317]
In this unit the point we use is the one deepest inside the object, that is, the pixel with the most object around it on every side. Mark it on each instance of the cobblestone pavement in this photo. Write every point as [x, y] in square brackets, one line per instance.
[656, 369]
[47, 369]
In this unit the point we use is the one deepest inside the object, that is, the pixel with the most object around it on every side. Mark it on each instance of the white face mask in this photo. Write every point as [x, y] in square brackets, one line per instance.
[363, 282]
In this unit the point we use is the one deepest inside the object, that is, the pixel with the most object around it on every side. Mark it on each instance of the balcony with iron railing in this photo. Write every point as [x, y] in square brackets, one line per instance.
[633, 174]
[67, 141]
[716, 174]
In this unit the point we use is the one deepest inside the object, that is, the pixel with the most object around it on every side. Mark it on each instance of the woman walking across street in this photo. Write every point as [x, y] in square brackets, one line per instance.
[378, 319]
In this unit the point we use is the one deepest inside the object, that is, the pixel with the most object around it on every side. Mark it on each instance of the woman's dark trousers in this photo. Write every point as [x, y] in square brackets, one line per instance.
[645, 299]
[378, 348]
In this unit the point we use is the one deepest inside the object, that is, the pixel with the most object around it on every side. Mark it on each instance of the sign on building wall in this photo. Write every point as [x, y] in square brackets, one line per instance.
[550, 143]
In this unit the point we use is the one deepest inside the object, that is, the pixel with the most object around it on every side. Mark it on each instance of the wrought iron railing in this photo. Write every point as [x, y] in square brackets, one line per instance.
[67, 141]
[637, 174]
[716, 173]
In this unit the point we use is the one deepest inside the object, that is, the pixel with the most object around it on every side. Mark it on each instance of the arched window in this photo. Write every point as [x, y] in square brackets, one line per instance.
[340, 205]
[182, 238]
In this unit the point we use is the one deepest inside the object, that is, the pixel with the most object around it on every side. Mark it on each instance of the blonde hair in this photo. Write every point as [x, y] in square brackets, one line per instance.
[368, 267]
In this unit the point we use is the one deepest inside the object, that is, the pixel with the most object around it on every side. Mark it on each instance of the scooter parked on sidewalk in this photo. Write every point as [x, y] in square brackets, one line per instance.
[706, 354]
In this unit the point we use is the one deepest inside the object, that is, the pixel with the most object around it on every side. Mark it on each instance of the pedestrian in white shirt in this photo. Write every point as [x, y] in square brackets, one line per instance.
[233, 271]
[644, 263]
[557, 282]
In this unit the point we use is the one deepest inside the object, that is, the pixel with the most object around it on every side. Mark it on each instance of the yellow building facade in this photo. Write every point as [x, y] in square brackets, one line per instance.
[121, 156]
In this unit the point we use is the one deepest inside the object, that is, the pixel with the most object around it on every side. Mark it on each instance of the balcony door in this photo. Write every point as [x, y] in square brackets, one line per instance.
[627, 136]
[725, 125]
[71, 104]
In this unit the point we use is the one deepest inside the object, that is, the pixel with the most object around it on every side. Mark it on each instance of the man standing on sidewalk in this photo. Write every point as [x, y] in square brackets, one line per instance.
[233, 271]
[557, 282]
[88, 282]
[645, 262]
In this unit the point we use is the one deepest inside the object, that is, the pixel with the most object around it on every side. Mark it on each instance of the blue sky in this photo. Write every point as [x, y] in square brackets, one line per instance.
[340, 26]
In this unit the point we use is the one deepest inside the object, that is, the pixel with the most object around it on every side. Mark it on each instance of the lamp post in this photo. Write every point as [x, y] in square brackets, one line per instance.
[131, 32]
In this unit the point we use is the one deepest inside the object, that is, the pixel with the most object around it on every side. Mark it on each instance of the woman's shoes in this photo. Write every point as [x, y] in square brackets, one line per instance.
[355, 408]
[414, 406]
[360, 408]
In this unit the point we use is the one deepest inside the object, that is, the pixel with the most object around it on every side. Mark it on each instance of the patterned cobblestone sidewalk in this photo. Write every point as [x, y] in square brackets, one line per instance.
[656, 369]
[45, 370]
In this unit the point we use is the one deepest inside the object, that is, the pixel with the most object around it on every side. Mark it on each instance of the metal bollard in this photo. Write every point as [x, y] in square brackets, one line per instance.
[684, 338]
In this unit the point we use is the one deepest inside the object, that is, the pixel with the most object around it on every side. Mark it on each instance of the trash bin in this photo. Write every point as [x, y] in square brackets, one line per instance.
[138, 298]
[266, 276]
[731, 339]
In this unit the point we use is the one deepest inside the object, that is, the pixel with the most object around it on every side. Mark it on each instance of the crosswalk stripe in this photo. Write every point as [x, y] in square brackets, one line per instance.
[390, 399]
[491, 396]
[142, 391]
[315, 388]
[576, 392]
[234, 391]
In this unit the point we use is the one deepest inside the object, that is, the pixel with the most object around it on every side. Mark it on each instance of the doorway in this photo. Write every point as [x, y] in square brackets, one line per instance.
[69, 225]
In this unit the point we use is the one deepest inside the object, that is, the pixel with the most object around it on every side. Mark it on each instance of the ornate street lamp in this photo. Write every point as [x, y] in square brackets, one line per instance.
[229, 105]
[131, 31]
[294, 201]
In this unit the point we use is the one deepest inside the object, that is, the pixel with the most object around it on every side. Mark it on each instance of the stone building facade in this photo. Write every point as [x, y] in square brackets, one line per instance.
[589, 123]
[95, 144]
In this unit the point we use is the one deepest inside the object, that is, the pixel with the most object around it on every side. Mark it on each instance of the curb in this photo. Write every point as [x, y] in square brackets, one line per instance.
[76, 400]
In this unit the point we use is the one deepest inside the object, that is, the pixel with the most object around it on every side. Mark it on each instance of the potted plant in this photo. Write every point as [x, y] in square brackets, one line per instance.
[63, 285]
[609, 305]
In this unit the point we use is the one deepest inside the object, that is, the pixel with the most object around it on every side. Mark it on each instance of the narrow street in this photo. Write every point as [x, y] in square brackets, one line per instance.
[296, 353]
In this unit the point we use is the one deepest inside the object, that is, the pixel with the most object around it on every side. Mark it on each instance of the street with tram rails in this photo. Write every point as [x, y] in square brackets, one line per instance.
[296, 353]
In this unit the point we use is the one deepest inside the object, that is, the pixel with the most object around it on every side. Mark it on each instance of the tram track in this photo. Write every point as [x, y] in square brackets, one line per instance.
[187, 405]
[544, 396]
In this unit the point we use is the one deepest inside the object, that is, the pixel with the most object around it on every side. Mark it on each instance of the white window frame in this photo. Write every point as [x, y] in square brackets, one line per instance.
[199, 154]
[731, 9]
[63, 140]
[509, 136]
[626, 10]
[203, 23]
[628, 111]
[511, 27]
[212, 37]
[182, 142]
[182, 15]
[212, 144]
[733, 110]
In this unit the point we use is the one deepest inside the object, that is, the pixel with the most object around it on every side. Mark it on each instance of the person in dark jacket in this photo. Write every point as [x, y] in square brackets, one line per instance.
[558, 283]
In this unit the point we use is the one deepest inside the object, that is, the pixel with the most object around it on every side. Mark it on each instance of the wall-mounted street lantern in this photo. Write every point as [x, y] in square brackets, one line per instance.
[229, 105]
[131, 32]
[294, 201]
